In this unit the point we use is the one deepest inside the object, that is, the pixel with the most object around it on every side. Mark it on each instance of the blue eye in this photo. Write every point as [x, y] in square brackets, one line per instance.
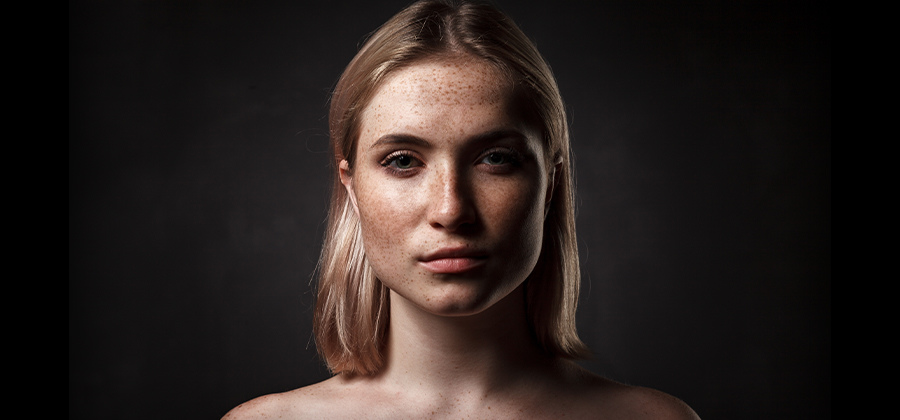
[500, 157]
[403, 161]
[400, 162]
[496, 158]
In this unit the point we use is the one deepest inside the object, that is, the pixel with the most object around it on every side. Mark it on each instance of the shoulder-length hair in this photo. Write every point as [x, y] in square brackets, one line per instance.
[352, 308]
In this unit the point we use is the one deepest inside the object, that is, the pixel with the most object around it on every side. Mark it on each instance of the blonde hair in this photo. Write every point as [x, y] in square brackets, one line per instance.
[352, 309]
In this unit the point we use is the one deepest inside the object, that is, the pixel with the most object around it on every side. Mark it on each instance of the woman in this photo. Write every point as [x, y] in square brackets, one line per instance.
[449, 275]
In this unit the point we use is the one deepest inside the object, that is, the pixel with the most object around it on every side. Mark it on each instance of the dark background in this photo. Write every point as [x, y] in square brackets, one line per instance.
[198, 178]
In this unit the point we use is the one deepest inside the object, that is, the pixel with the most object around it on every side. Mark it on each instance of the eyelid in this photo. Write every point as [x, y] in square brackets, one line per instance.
[513, 160]
[513, 154]
[388, 162]
[395, 154]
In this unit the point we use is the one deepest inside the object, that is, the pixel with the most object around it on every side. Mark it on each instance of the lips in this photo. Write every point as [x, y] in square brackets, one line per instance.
[453, 260]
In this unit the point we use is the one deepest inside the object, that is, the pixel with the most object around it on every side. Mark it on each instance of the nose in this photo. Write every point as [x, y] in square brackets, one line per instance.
[452, 204]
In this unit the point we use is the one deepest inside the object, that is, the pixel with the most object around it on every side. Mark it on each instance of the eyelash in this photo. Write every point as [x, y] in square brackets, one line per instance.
[389, 163]
[512, 158]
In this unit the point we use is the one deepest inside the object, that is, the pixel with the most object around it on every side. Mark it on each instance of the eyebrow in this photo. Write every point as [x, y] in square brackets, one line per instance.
[390, 139]
[393, 139]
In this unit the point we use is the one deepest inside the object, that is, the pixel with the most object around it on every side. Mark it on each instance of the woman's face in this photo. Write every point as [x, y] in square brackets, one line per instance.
[450, 187]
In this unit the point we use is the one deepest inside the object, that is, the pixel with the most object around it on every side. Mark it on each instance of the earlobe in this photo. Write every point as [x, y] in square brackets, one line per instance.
[347, 179]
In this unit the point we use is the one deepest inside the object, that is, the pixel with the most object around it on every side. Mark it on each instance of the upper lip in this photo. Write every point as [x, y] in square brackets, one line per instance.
[453, 252]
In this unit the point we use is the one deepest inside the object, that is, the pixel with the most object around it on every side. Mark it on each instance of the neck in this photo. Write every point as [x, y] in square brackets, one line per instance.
[440, 353]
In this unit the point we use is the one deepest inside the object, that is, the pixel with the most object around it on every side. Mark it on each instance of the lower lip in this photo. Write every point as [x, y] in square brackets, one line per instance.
[452, 265]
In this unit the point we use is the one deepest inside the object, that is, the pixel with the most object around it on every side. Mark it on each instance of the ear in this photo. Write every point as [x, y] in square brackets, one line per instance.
[347, 179]
[552, 181]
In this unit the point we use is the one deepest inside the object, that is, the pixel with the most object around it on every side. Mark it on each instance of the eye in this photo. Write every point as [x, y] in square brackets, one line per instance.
[496, 158]
[500, 159]
[400, 162]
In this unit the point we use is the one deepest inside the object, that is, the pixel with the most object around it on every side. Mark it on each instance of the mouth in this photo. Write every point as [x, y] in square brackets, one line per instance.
[453, 260]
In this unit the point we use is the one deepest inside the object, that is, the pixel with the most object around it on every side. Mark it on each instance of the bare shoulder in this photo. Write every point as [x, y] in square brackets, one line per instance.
[646, 403]
[301, 403]
[621, 401]
[264, 407]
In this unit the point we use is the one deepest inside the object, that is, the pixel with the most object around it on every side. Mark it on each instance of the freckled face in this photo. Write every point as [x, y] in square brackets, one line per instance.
[450, 187]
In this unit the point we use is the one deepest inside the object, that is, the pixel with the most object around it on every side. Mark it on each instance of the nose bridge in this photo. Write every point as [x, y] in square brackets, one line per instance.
[451, 198]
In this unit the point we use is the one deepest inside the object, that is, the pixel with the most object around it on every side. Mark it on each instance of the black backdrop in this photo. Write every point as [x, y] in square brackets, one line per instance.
[198, 177]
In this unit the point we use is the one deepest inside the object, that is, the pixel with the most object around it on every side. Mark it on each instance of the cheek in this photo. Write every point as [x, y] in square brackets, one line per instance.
[385, 218]
[515, 201]
[514, 216]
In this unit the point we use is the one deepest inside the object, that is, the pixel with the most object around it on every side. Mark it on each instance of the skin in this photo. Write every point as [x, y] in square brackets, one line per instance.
[440, 157]
[432, 174]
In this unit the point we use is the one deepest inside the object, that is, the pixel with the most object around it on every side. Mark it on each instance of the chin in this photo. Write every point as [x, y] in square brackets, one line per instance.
[458, 300]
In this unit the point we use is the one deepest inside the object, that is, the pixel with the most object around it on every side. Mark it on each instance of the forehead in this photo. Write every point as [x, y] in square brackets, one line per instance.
[448, 81]
[439, 96]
